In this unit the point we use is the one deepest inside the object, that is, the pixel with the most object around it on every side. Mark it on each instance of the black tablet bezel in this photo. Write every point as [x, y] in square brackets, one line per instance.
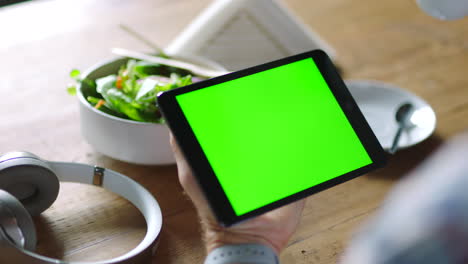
[199, 163]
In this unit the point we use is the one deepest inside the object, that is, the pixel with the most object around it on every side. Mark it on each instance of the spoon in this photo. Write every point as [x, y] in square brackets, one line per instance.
[197, 70]
[403, 118]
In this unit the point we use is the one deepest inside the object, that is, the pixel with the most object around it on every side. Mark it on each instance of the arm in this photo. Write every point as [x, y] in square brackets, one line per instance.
[425, 217]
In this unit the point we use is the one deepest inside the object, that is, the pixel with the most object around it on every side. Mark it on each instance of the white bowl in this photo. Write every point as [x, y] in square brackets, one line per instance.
[122, 139]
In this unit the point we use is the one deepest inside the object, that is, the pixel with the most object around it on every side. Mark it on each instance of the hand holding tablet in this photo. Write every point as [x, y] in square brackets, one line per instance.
[266, 136]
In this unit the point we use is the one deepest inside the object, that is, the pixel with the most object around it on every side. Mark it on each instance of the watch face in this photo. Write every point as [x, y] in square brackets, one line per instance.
[269, 135]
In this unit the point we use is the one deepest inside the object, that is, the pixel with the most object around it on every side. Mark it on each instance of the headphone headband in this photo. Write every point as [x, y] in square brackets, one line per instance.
[112, 181]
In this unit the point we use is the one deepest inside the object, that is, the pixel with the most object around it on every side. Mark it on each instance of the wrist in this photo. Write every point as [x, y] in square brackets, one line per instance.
[216, 236]
[242, 254]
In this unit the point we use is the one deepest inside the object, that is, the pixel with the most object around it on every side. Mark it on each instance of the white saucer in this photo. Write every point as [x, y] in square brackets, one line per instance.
[379, 101]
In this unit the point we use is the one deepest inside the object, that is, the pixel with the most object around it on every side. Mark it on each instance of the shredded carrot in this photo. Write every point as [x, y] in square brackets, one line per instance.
[118, 83]
[99, 104]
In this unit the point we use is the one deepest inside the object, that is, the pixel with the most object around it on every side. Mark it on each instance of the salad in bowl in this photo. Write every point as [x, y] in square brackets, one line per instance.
[119, 116]
[131, 92]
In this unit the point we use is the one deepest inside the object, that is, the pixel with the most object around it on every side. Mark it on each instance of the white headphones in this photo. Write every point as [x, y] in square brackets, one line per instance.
[29, 185]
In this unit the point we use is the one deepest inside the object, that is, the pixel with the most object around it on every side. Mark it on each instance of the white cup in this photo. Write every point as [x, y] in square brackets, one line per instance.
[444, 9]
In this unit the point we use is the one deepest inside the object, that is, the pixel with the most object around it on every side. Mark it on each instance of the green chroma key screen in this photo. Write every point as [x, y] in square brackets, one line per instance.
[272, 134]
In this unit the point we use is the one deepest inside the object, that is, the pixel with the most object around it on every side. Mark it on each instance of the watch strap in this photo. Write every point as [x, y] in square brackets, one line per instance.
[242, 254]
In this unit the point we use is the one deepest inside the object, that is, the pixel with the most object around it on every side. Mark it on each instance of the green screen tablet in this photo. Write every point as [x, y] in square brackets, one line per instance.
[269, 135]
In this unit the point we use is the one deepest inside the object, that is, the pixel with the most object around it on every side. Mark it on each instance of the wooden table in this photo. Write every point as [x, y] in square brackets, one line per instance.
[41, 41]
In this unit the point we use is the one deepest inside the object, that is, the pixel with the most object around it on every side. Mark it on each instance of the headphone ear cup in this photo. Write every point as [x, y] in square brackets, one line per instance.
[16, 224]
[30, 180]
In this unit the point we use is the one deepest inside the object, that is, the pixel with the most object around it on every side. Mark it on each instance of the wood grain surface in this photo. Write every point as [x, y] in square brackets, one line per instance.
[41, 41]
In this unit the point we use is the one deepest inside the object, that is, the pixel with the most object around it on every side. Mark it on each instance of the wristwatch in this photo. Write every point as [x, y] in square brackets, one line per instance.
[242, 254]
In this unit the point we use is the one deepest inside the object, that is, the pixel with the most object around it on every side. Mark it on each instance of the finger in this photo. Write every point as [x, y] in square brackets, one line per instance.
[174, 145]
[291, 211]
[188, 181]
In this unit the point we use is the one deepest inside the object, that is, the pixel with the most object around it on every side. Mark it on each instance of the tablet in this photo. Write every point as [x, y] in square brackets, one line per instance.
[266, 136]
